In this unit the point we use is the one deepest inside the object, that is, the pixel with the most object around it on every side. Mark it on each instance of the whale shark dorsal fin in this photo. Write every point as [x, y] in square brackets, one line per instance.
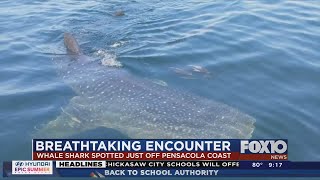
[74, 50]
[71, 44]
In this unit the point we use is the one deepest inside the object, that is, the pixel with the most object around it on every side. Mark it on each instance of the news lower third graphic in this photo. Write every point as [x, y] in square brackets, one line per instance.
[160, 158]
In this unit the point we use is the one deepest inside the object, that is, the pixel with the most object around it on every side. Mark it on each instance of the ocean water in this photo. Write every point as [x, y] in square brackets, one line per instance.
[263, 58]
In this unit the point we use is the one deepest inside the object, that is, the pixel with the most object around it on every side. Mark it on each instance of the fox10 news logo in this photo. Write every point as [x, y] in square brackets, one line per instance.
[263, 147]
[32, 167]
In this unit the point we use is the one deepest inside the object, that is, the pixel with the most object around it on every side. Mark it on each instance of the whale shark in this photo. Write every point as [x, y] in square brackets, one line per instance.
[137, 107]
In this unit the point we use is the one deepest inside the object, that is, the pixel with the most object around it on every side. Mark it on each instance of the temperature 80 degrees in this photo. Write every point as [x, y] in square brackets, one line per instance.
[257, 164]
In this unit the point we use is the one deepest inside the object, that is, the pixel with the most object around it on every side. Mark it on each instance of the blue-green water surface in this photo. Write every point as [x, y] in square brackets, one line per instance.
[263, 58]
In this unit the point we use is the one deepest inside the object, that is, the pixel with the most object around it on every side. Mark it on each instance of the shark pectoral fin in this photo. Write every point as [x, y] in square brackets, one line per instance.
[79, 110]
[72, 118]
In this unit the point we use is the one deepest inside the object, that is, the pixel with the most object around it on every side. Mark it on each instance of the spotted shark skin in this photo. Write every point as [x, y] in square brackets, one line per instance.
[115, 98]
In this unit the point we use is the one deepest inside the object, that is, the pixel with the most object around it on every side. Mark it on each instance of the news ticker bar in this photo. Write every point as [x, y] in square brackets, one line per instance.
[161, 169]
[173, 164]
[178, 164]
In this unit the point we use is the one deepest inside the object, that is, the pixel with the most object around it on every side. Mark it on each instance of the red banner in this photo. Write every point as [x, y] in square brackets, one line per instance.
[154, 156]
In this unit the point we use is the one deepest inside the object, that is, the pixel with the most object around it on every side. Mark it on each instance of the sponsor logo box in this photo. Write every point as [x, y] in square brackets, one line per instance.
[32, 167]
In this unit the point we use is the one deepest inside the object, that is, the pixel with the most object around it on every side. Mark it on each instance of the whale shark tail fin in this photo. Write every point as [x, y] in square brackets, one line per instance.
[71, 44]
